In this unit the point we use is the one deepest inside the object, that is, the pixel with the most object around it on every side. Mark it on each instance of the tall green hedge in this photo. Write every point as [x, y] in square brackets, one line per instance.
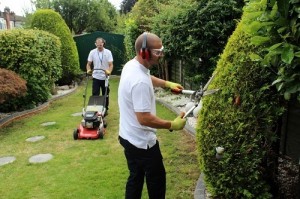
[241, 118]
[35, 56]
[51, 21]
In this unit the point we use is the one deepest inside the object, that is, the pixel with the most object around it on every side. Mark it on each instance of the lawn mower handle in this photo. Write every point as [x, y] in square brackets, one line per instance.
[87, 74]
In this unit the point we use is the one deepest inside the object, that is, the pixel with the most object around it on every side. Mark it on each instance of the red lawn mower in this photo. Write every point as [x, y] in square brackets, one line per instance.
[93, 125]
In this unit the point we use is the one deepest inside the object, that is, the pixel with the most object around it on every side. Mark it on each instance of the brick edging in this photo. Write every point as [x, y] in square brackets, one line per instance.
[15, 116]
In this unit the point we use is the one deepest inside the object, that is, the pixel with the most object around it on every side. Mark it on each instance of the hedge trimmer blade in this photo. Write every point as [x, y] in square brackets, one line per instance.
[209, 81]
[210, 92]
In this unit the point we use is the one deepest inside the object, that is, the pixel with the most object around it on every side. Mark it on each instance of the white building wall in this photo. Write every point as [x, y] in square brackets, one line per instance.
[3, 24]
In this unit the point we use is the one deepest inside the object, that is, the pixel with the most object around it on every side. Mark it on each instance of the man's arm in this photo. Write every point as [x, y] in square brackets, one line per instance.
[110, 66]
[150, 120]
[147, 119]
[157, 82]
[88, 65]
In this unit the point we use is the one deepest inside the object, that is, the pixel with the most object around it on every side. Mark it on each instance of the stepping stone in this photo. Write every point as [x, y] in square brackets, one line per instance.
[77, 114]
[48, 123]
[40, 158]
[35, 138]
[7, 160]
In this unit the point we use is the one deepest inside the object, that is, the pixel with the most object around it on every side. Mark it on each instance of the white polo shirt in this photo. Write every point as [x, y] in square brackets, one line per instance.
[100, 61]
[136, 94]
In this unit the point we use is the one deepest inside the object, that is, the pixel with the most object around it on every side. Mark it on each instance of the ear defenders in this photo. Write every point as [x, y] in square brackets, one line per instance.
[144, 51]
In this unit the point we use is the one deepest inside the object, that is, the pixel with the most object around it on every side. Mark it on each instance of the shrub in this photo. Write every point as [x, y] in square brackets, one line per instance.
[51, 21]
[35, 56]
[241, 118]
[11, 85]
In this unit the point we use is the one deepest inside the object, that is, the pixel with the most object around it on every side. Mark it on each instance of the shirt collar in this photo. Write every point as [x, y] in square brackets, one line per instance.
[142, 67]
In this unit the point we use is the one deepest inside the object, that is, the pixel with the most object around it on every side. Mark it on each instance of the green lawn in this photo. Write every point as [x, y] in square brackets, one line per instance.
[85, 169]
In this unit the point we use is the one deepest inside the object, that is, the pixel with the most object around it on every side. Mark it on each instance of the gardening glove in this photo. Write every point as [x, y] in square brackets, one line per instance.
[175, 88]
[107, 72]
[178, 123]
[89, 72]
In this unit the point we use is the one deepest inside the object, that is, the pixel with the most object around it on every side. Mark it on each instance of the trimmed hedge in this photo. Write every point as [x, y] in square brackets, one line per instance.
[51, 21]
[35, 56]
[241, 118]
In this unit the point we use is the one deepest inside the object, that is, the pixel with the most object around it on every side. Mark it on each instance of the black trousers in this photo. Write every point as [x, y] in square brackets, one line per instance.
[100, 85]
[144, 163]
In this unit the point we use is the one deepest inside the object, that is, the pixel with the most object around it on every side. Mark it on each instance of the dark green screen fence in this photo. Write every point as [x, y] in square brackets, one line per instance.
[114, 42]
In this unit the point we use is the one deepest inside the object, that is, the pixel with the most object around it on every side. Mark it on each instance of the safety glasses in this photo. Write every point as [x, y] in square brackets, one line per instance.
[158, 52]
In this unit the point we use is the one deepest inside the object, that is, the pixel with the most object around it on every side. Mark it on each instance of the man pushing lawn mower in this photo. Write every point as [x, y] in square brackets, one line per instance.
[93, 124]
[102, 61]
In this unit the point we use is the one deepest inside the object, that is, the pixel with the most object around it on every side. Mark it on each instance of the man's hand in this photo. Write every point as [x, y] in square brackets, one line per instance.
[107, 72]
[89, 72]
[175, 88]
[178, 123]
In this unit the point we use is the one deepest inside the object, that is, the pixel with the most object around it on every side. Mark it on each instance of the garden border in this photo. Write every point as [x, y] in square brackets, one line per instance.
[15, 116]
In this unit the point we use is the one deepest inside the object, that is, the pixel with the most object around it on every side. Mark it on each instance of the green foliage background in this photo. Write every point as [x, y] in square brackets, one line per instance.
[83, 15]
[197, 30]
[191, 31]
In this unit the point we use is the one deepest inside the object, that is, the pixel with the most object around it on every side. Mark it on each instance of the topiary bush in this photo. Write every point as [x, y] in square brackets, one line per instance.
[51, 21]
[241, 118]
[11, 85]
[35, 56]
